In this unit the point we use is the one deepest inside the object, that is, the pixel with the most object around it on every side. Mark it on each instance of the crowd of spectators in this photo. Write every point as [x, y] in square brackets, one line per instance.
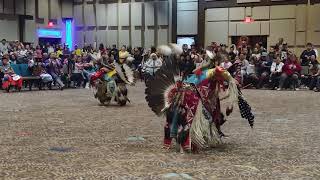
[276, 68]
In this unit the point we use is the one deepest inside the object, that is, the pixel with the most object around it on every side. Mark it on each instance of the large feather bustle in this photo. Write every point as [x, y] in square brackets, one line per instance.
[176, 49]
[157, 87]
[165, 50]
[130, 59]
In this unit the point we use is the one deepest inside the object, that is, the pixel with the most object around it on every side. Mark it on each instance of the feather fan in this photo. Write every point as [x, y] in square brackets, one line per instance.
[125, 73]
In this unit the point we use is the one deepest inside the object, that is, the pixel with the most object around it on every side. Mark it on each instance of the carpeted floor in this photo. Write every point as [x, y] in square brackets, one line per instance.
[67, 135]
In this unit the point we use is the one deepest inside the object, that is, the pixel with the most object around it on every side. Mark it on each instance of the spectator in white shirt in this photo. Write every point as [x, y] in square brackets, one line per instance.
[251, 74]
[244, 64]
[317, 53]
[153, 64]
[276, 70]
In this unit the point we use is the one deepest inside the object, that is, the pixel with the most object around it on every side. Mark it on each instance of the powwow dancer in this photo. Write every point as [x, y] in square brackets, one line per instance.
[192, 106]
[110, 81]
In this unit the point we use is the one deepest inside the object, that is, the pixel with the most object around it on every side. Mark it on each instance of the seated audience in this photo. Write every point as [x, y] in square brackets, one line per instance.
[306, 55]
[226, 63]
[315, 74]
[244, 65]
[251, 76]
[263, 69]
[37, 67]
[291, 71]
[276, 71]
[10, 79]
[54, 68]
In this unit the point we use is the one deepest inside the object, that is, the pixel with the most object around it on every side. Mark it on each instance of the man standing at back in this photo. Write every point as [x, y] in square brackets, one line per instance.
[4, 46]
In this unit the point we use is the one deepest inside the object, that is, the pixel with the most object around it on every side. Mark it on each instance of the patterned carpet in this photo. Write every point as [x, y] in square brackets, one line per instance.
[67, 135]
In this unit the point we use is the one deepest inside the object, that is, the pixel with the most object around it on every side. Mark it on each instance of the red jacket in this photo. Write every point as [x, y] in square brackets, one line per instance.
[291, 67]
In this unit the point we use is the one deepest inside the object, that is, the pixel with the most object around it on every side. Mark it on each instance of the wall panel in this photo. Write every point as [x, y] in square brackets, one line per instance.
[179, 1]
[112, 11]
[136, 38]
[282, 12]
[78, 19]
[314, 38]
[163, 13]
[265, 27]
[232, 28]
[67, 9]
[55, 12]
[162, 36]
[237, 13]
[1, 6]
[43, 9]
[248, 11]
[149, 14]
[124, 38]
[261, 12]
[19, 7]
[112, 37]
[188, 25]
[300, 38]
[9, 29]
[101, 15]
[248, 1]
[301, 15]
[90, 37]
[124, 14]
[148, 38]
[189, 6]
[101, 37]
[8, 6]
[136, 14]
[89, 16]
[30, 31]
[314, 17]
[219, 14]
[248, 29]
[220, 34]
[282, 29]
[30, 7]
[79, 38]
